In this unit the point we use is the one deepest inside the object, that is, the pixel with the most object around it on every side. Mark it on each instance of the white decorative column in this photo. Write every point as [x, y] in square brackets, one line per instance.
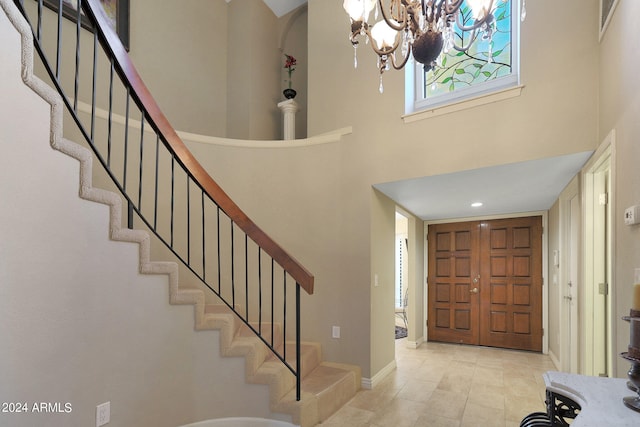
[289, 109]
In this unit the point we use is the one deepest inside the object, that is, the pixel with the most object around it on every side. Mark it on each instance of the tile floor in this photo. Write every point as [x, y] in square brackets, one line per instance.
[438, 385]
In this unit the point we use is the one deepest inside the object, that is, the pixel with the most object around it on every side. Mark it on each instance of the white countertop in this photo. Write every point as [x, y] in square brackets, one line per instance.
[599, 398]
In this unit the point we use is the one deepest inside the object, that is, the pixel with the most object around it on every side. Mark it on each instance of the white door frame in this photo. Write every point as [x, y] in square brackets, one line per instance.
[569, 282]
[599, 171]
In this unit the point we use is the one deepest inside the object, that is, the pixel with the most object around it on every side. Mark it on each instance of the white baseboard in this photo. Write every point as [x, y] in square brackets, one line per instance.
[370, 383]
[555, 360]
[415, 344]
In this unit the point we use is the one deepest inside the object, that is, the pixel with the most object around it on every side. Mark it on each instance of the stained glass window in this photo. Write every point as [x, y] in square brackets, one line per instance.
[490, 64]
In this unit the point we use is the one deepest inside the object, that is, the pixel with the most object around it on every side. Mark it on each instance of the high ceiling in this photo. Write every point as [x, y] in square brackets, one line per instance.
[506, 189]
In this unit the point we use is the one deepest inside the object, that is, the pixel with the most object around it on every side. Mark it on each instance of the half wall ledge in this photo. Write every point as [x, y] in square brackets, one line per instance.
[325, 138]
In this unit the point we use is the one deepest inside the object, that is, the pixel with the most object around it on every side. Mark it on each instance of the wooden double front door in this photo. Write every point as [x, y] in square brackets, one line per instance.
[485, 283]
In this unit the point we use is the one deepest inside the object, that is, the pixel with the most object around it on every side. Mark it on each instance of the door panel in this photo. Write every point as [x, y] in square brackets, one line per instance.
[511, 269]
[453, 261]
[485, 283]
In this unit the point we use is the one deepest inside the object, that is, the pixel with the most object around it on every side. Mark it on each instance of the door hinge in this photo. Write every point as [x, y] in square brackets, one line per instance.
[603, 288]
[603, 199]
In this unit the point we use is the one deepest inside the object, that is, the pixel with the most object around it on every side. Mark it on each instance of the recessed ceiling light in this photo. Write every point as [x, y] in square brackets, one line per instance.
[476, 204]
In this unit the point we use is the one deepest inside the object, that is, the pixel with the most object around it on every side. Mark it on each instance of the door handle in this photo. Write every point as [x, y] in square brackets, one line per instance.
[474, 290]
[568, 297]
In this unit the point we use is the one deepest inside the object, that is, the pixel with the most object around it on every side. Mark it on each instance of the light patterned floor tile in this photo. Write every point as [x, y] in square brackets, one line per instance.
[451, 385]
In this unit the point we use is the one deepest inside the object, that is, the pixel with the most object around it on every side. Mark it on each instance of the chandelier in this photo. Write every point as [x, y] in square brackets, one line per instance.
[423, 29]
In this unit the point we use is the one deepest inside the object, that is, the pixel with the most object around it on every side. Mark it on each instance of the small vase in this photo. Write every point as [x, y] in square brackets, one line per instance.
[289, 93]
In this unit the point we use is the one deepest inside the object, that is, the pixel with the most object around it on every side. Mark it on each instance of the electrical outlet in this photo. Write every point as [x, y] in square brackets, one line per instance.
[336, 332]
[632, 215]
[103, 414]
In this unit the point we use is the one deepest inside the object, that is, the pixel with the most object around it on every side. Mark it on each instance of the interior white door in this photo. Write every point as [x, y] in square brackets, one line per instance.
[600, 289]
[572, 285]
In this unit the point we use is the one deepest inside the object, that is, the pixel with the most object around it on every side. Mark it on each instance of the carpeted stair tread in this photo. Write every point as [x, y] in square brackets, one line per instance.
[310, 356]
[329, 386]
[322, 378]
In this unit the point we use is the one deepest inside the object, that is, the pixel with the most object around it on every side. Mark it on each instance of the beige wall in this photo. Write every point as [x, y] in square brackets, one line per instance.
[186, 71]
[619, 106]
[253, 73]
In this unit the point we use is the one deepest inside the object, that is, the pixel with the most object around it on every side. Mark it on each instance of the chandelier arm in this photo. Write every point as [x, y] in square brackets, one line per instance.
[462, 48]
[357, 27]
[404, 61]
[450, 7]
[398, 27]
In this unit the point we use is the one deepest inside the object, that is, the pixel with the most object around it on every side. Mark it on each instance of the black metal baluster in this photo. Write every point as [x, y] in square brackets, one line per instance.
[173, 186]
[129, 215]
[59, 43]
[126, 143]
[93, 88]
[140, 170]
[155, 207]
[298, 348]
[75, 81]
[219, 274]
[246, 276]
[188, 221]
[233, 270]
[260, 290]
[284, 317]
[109, 117]
[39, 20]
[272, 303]
[204, 233]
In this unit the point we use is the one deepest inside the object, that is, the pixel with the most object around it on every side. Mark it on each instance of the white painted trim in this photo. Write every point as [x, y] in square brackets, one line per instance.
[415, 344]
[373, 382]
[567, 317]
[603, 157]
[325, 138]
[463, 105]
[555, 360]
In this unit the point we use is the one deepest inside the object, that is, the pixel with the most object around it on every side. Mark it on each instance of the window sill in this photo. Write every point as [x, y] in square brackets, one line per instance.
[463, 105]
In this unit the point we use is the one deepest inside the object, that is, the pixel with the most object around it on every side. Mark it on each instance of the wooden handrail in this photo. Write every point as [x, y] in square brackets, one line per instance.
[142, 96]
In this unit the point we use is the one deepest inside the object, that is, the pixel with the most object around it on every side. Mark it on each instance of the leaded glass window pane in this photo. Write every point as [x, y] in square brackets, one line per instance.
[490, 64]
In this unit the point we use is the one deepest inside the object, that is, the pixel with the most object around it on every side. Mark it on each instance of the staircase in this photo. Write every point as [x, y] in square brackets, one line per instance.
[270, 358]
[326, 387]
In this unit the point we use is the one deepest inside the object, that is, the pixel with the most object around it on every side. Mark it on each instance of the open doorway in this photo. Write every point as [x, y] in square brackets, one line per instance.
[401, 291]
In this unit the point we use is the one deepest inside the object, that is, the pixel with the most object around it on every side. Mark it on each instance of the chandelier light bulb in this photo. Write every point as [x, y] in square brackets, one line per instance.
[359, 10]
[480, 8]
[383, 35]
